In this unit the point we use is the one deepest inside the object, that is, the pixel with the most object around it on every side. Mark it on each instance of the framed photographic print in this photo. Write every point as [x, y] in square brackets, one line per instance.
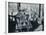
[24, 17]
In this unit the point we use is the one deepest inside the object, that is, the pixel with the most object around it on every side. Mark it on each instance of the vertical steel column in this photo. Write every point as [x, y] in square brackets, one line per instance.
[39, 10]
[18, 7]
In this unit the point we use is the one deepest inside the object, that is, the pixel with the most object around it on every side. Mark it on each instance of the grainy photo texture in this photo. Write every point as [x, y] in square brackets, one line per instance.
[25, 17]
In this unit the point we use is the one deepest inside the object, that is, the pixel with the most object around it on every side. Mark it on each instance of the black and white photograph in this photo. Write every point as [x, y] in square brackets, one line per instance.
[25, 17]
